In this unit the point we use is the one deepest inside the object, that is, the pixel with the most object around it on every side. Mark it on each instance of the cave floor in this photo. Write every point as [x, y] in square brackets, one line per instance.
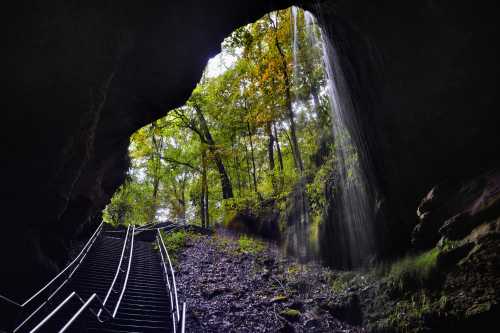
[230, 290]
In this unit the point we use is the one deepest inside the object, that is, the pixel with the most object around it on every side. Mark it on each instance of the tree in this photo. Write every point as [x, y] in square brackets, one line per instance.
[258, 126]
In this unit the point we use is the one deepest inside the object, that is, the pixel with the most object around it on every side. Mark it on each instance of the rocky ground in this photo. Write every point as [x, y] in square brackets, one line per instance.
[255, 288]
[450, 282]
[230, 288]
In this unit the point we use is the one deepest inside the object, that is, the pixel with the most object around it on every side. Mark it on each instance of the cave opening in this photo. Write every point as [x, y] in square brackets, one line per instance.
[267, 144]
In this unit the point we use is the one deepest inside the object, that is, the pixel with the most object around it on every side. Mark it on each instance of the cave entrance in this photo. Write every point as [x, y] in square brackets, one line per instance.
[262, 146]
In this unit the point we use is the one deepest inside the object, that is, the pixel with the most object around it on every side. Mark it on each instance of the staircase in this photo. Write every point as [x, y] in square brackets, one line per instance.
[145, 306]
[140, 301]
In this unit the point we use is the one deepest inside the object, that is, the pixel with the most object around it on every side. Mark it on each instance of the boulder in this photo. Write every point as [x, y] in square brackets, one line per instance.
[453, 211]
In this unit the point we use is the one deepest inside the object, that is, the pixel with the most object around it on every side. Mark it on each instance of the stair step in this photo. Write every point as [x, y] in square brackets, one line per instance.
[127, 308]
[139, 328]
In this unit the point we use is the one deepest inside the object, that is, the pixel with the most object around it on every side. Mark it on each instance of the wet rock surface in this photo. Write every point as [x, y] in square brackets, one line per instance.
[228, 290]
[453, 210]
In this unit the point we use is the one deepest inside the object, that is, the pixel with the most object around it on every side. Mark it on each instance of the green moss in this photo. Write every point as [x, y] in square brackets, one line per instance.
[279, 298]
[443, 302]
[290, 314]
[413, 271]
[342, 282]
[338, 286]
[314, 230]
[448, 245]
[293, 269]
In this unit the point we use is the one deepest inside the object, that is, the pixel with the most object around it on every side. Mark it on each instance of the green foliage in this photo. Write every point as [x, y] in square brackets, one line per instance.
[342, 281]
[236, 127]
[250, 245]
[131, 204]
[408, 315]
[176, 241]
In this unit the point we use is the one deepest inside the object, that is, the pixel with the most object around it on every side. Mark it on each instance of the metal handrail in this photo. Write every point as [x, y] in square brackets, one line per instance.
[8, 300]
[128, 272]
[66, 300]
[146, 226]
[118, 270]
[82, 308]
[95, 296]
[160, 241]
[84, 251]
[95, 234]
[170, 227]
[165, 272]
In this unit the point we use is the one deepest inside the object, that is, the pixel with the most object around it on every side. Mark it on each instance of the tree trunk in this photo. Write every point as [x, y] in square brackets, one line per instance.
[203, 202]
[207, 211]
[156, 158]
[280, 157]
[202, 207]
[270, 147]
[278, 148]
[236, 162]
[249, 172]
[253, 158]
[227, 188]
[288, 101]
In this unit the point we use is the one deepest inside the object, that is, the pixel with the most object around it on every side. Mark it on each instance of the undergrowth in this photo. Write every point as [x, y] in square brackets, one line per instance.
[243, 245]
[250, 245]
[176, 241]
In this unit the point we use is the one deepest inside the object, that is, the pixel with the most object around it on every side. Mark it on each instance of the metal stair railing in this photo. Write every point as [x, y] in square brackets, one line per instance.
[118, 271]
[94, 297]
[172, 286]
[72, 295]
[78, 260]
[128, 272]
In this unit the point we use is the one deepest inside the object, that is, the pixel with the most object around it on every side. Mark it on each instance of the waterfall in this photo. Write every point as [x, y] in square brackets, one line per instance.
[297, 238]
[354, 221]
[349, 231]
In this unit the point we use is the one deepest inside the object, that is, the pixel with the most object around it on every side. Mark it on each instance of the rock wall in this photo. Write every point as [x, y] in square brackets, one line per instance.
[459, 223]
[82, 77]
[424, 77]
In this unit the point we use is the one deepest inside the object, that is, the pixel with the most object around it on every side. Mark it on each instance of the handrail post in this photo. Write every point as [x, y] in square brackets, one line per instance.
[183, 322]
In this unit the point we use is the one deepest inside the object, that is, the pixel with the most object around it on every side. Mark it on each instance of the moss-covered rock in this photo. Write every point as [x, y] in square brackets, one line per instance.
[290, 314]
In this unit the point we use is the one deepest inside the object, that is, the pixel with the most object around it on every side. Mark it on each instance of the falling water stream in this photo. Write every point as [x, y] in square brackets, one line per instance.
[353, 218]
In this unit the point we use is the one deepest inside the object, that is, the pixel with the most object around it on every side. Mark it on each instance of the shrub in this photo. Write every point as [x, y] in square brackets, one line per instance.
[175, 242]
